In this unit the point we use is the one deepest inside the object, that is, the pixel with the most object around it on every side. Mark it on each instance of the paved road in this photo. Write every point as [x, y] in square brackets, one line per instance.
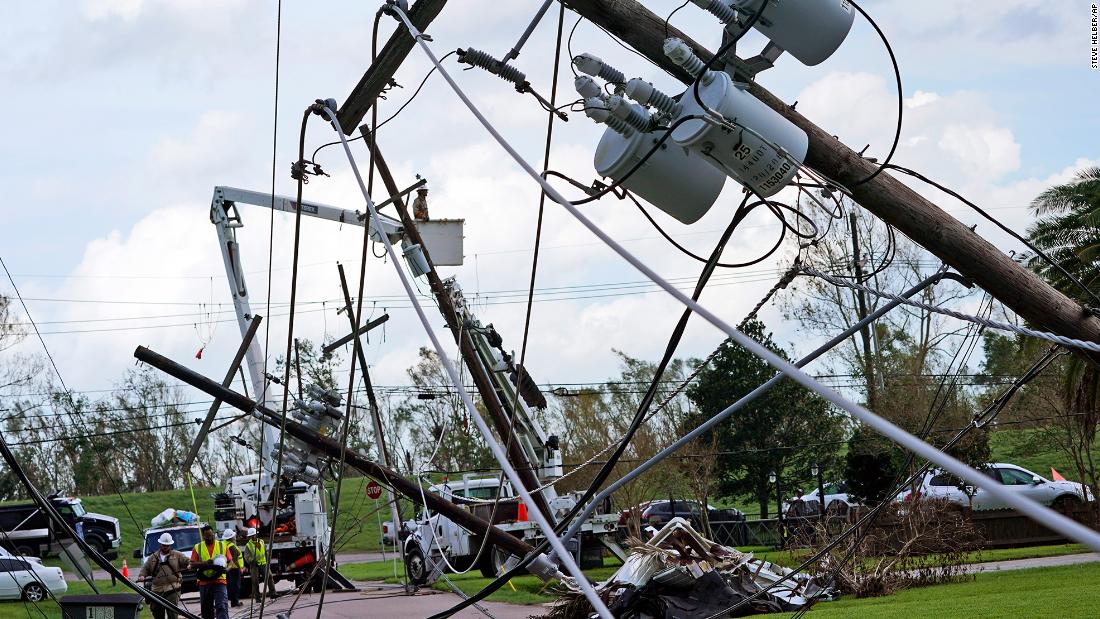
[1023, 564]
[376, 600]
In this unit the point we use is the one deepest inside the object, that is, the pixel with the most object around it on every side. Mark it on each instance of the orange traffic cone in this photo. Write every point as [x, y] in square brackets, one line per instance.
[1055, 475]
[521, 512]
[125, 570]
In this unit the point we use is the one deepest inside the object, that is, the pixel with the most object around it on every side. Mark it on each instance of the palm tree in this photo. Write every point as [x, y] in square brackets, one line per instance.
[1068, 231]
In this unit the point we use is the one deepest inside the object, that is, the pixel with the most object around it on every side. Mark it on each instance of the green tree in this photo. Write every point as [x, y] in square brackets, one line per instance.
[921, 395]
[1068, 231]
[785, 430]
[442, 436]
[589, 420]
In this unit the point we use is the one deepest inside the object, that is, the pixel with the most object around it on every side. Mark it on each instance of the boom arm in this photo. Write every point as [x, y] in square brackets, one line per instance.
[226, 218]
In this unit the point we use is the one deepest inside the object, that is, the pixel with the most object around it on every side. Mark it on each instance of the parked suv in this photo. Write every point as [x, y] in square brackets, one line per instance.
[1061, 495]
[658, 513]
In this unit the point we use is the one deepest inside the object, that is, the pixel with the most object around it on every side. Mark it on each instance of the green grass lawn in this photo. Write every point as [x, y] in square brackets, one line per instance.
[1013, 446]
[1069, 591]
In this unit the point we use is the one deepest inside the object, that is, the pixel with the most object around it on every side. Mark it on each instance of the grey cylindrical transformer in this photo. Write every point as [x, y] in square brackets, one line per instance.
[674, 179]
[809, 30]
[752, 161]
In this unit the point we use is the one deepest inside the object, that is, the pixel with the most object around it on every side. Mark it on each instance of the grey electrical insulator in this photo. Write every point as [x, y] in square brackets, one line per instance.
[504, 71]
[630, 113]
[587, 87]
[762, 150]
[718, 8]
[681, 53]
[643, 92]
[592, 65]
[596, 109]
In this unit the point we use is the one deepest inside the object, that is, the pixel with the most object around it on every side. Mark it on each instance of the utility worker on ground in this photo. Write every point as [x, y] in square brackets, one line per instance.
[420, 205]
[255, 556]
[233, 572]
[165, 571]
[211, 559]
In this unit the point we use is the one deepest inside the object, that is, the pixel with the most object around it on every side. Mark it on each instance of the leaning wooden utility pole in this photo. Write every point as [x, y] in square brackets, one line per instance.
[355, 107]
[499, 410]
[943, 235]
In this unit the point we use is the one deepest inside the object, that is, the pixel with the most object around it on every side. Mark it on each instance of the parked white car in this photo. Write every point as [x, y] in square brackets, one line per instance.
[837, 501]
[5, 554]
[26, 580]
[1061, 495]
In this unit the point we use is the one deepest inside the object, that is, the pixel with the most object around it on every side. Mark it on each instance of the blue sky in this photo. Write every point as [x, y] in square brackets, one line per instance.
[122, 115]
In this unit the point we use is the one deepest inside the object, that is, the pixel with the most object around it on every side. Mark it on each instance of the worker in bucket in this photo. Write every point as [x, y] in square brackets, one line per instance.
[255, 557]
[233, 572]
[211, 559]
[420, 205]
[164, 571]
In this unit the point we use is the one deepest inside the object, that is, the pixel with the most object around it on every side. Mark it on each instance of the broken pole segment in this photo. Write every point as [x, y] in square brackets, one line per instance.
[886, 197]
[385, 475]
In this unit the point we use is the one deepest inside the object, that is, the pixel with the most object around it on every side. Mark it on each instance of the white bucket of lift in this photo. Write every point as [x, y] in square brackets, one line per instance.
[751, 161]
[809, 30]
[674, 180]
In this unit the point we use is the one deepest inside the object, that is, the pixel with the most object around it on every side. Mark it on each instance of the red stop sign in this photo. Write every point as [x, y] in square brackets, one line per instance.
[374, 490]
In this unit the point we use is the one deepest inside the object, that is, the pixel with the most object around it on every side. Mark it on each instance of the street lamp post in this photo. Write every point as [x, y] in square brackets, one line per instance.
[815, 470]
[774, 478]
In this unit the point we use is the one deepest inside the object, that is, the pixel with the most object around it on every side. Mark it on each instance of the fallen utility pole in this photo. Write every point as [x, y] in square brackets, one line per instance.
[497, 408]
[385, 475]
[381, 71]
[889, 199]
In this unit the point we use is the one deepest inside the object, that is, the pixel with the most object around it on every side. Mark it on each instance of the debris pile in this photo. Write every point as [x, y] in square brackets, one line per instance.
[679, 574]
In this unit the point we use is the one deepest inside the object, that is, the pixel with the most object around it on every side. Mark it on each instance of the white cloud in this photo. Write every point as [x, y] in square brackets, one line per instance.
[126, 10]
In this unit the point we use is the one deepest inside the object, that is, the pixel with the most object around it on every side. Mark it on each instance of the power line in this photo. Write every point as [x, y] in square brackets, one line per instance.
[1044, 335]
[61, 380]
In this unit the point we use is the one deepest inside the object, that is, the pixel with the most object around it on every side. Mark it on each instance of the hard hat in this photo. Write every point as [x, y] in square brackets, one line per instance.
[251, 532]
[228, 534]
[166, 539]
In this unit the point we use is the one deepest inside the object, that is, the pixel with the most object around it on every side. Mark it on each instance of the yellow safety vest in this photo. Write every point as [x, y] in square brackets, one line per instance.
[259, 552]
[205, 555]
[240, 555]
